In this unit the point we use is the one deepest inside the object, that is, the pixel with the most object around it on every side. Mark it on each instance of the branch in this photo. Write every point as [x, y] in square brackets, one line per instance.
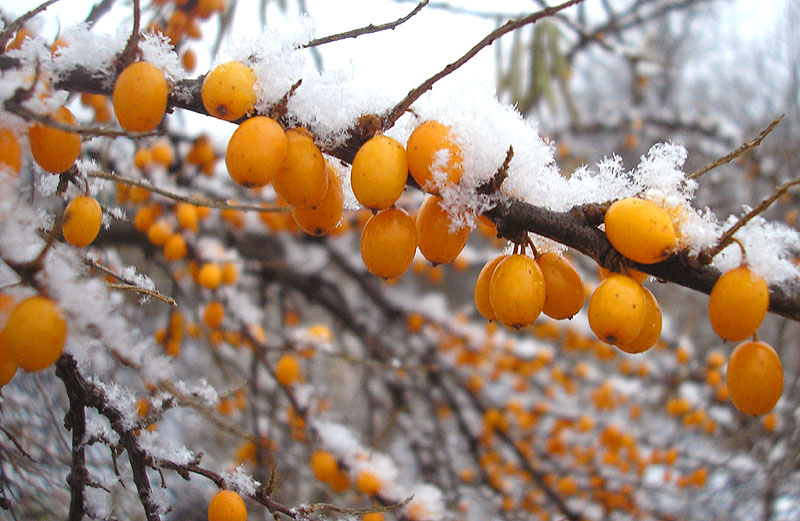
[354, 33]
[14, 26]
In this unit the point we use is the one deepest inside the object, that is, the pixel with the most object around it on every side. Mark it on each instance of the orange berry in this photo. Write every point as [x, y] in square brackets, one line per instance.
[324, 465]
[230, 273]
[10, 151]
[210, 275]
[256, 151]
[228, 91]
[617, 309]
[368, 482]
[159, 232]
[189, 60]
[340, 481]
[517, 291]
[163, 153]
[187, 216]
[738, 304]
[389, 242]
[227, 505]
[53, 149]
[373, 516]
[754, 378]
[379, 172]
[145, 217]
[8, 367]
[326, 214]
[140, 97]
[35, 333]
[202, 152]
[769, 421]
[640, 230]
[287, 370]
[430, 149]
[175, 247]
[213, 314]
[651, 330]
[142, 159]
[435, 240]
[302, 179]
[482, 301]
[564, 288]
[82, 219]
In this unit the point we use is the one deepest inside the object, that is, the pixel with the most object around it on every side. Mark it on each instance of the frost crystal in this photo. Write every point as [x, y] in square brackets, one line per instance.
[241, 482]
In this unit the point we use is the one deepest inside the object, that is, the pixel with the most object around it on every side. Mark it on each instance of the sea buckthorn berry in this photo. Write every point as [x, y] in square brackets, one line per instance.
[373, 516]
[143, 158]
[163, 153]
[326, 214]
[8, 367]
[302, 179]
[202, 152]
[35, 333]
[228, 91]
[53, 149]
[379, 172]
[187, 216]
[517, 291]
[738, 303]
[431, 149]
[175, 247]
[82, 219]
[230, 273]
[564, 296]
[213, 314]
[435, 240]
[754, 378]
[368, 482]
[256, 151]
[651, 330]
[227, 505]
[389, 242]
[482, 301]
[287, 370]
[145, 217]
[640, 230]
[636, 275]
[10, 151]
[159, 232]
[140, 97]
[617, 309]
[324, 465]
[189, 60]
[210, 275]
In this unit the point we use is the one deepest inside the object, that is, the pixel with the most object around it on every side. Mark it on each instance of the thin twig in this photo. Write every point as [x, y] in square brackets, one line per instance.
[738, 152]
[17, 444]
[139, 289]
[14, 26]
[354, 33]
[492, 185]
[509, 26]
[127, 55]
[84, 130]
[196, 201]
[727, 238]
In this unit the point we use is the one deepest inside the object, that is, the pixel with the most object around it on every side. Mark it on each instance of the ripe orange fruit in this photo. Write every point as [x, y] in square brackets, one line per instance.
[35, 333]
[10, 151]
[482, 301]
[430, 149]
[256, 151]
[435, 240]
[8, 367]
[368, 482]
[389, 242]
[640, 230]
[564, 295]
[230, 273]
[754, 378]
[53, 149]
[82, 219]
[227, 505]
[617, 309]
[228, 91]
[651, 330]
[738, 303]
[159, 232]
[324, 465]
[379, 172]
[213, 314]
[302, 179]
[140, 97]
[517, 291]
[287, 370]
[326, 214]
[187, 216]
[210, 275]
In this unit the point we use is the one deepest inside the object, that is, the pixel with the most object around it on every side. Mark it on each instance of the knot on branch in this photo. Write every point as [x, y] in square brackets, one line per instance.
[492, 185]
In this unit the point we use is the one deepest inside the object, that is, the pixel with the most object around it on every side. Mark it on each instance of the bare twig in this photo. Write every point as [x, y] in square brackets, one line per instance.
[354, 33]
[14, 26]
[139, 289]
[738, 152]
[17, 444]
[84, 130]
[128, 54]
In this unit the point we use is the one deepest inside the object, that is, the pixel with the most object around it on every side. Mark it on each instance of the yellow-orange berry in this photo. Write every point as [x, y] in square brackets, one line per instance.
[10, 151]
[175, 247]
[287, 370]
[187, 216]
[738, 304]
[326, 214]
[35, 333]
[82, 219]
[324, 465]
[368, 482]
[640, 230]
[435, 240]
[302, 180]
[389, 242]
[379, 172]
[431, 150]
[651, 330]
[142, 159]
[517, 291]
[564, 286]
[8, 367]
[617, 309]
[228, 91]
[189, 60]
[227, 505]
[159, 232]
[213, 314]
[256, 151]
[230, 273]
[210, 275]
[140, 97]
[163, 153]
[145, 217]
[373, 516]
[53, 149]
[482, 301]
[754, 378]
